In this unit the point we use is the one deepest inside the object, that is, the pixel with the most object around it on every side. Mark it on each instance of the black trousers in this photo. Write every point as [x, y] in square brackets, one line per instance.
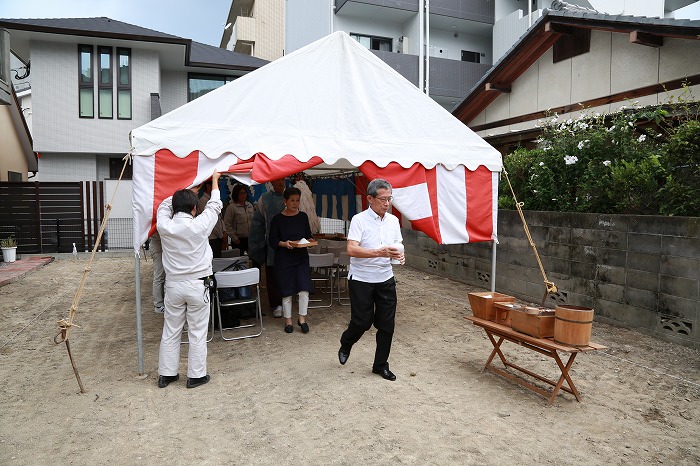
[372, 303]
[215, 245]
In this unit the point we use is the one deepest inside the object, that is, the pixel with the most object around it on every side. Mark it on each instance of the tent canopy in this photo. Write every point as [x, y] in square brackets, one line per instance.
[330, 104]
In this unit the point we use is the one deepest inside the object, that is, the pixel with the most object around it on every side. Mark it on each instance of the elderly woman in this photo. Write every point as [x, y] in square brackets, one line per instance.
[292, 264]
[238, 217]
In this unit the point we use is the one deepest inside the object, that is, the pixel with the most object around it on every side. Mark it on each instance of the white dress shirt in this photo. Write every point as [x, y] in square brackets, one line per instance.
[186, 251]
[373, 232]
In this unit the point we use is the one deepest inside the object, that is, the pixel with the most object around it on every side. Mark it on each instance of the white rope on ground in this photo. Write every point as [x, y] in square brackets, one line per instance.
[651, 369]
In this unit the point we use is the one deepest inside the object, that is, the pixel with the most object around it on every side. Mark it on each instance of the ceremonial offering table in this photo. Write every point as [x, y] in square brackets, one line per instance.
[497, 333]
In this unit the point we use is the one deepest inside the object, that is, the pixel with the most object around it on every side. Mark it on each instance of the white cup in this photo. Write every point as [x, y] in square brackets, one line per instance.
[400, 248]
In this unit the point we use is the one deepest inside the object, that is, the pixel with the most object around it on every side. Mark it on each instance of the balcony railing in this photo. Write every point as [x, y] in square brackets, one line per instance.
[452, 78]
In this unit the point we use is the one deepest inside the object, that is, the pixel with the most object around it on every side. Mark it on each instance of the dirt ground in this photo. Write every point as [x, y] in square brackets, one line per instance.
[284, 399]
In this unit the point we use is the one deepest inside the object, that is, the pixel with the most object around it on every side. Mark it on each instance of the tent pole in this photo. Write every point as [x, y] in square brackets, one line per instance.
[493, 266]
[139, 333]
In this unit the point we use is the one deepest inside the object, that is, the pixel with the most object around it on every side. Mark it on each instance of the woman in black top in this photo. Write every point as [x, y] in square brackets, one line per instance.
[292, 264]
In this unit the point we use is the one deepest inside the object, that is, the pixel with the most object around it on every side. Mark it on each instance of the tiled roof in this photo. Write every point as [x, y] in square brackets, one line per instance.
[101, 27]
[198, 54]
[535, 41]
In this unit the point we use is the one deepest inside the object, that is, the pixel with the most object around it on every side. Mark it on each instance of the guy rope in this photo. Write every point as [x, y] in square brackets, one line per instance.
[550, 287]
[65, 325]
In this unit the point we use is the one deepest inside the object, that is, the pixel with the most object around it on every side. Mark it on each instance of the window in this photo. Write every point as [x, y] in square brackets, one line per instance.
[200, 84]
[14, 177]
[473, 57]
[105, 82]
[115, 169]
[374, 43]
[86, 91]
[124, 84]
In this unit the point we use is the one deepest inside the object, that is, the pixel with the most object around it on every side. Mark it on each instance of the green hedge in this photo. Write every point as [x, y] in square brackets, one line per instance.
[636, 161]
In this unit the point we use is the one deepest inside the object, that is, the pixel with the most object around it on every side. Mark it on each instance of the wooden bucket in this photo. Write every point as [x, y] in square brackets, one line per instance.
[573, 325]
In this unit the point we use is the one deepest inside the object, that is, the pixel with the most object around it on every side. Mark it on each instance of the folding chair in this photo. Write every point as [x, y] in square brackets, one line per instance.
[220, 264]
[322, 266]
[341, 274]
[235, 279]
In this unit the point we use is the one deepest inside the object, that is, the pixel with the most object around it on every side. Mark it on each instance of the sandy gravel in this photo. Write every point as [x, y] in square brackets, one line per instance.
[284, 399]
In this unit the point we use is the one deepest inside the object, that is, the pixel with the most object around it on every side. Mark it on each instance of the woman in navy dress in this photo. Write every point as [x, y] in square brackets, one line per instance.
[292, 264]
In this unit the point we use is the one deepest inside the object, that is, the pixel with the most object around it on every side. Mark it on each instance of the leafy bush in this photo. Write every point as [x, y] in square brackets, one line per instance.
[634, 161]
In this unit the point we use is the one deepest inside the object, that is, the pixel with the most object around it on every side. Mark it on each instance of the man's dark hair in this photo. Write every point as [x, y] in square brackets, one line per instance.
[289, 192]
[184, 200]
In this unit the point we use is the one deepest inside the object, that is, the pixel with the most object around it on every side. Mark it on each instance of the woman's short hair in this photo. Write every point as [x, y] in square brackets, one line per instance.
[291, 191]
[377, 184]
[237, 189]
[184, 200]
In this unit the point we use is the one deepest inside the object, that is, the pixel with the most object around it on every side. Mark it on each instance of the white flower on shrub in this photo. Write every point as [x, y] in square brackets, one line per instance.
[570, 159]
[582, 144]
[630, 123]
[606, 163]
[541, 164]
[642, 138]
[611, 128]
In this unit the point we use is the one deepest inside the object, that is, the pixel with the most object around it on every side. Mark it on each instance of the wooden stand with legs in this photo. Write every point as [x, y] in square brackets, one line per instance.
[499, 333]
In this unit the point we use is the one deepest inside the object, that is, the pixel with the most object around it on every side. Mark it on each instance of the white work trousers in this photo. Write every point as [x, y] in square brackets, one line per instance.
[184, 300]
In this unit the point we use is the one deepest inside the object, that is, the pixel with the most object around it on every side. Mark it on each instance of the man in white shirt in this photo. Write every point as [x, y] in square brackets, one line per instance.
[187, 262]
[371, 239]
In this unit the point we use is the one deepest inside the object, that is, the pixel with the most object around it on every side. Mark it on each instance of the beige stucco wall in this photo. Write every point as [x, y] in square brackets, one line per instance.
[11, 154]
[613, 65]
[269, 29]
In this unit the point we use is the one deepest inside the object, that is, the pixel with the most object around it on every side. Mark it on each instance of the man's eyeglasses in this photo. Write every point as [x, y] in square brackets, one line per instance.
[385, 199]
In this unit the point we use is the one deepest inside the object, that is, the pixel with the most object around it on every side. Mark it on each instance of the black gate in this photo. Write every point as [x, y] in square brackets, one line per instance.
[43, 217]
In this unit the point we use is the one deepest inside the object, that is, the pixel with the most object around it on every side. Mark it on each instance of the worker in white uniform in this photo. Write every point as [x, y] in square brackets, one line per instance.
[187, 262]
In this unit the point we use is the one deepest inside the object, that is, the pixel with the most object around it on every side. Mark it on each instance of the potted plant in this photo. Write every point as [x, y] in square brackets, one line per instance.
[9, 249]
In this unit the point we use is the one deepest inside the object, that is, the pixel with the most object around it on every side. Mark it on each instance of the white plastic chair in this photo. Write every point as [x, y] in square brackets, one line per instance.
[322, 267]
[235, 279]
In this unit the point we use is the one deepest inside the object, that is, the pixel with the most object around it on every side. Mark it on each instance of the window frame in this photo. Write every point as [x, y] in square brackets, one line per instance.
[371, 38]
[124, 52]
[108, 86]
[86, 84]
[206, 76]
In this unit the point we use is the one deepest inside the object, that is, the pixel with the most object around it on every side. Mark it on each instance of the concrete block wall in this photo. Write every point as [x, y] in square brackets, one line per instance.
[639, 272]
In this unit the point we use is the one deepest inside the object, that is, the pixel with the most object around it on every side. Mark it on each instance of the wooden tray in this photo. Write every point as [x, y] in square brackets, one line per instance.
[307, 245]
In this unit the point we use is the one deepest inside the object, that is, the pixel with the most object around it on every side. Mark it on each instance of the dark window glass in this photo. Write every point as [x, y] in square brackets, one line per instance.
[473, 57]
[200, 84]
[124, 107]
[374, 43]
[86, 90]
[105, 92]
[115, 169]
[14, 177]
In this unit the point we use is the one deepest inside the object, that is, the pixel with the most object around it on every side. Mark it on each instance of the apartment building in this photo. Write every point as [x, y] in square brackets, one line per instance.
[443, 47]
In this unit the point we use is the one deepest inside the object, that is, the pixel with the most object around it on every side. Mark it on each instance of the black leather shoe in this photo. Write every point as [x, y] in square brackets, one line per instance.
[164, 380]
[288, 328]
[385, 373]
[343, 355]
[197, 381]
[304, 327]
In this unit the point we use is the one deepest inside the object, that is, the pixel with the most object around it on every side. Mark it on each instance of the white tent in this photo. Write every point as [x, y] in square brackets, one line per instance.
[330, 104]
[334, 102]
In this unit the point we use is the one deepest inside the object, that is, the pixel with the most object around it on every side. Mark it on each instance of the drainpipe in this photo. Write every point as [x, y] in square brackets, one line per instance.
[421, 47]
[427, 47]
[331, 4]
[529, 13]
